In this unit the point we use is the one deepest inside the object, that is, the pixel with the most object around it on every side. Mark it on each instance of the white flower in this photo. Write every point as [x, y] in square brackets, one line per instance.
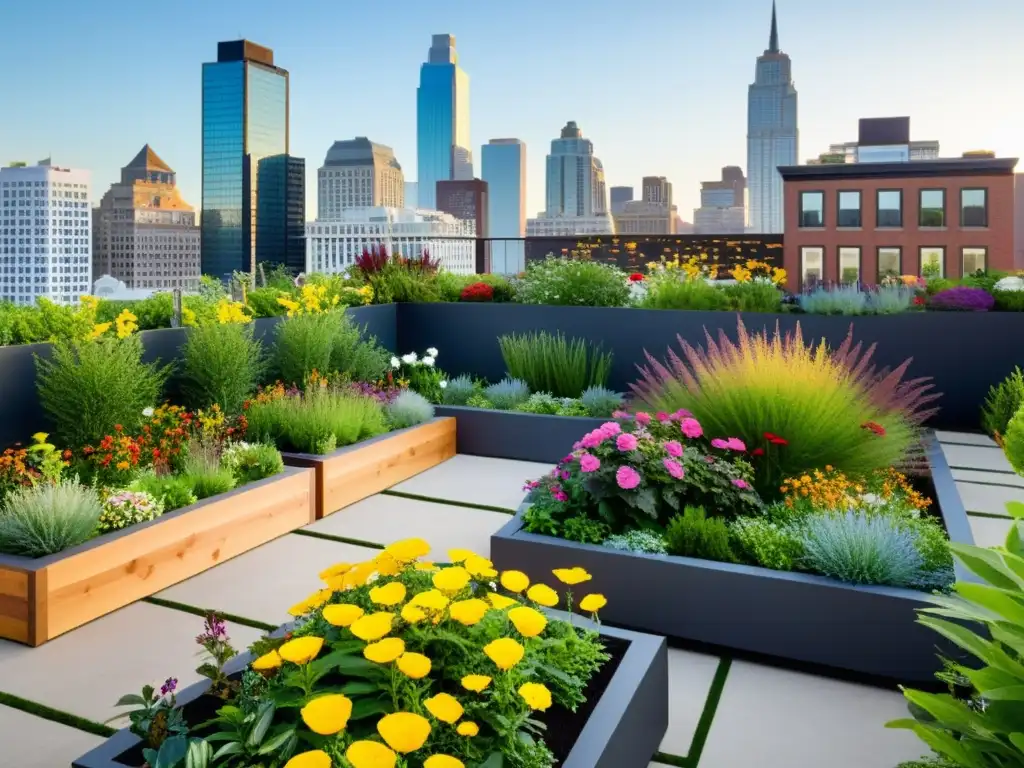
[410, 358]
[147, 412]
[395, 362]
[428, 361]
[432, 352]
[442, 384]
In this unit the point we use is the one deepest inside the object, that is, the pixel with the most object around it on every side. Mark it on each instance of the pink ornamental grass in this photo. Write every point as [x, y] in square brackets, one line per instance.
[589, 463]
[625, 442]
[674, 448]
[627, 478]
[691, 428]
[674, 468]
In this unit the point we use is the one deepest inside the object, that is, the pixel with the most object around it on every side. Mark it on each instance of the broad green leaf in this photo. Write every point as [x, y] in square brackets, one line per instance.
[945, 745]
[199, 754]
[1015, 542]
[988, 564]
[987, 678]
[904, 722]
[1014, 560]
[221, 736]
[1017, 739]
[347, 664]
[1015, 509]
[949, 712]
[172, 751]
[231, 748]
[960, 635]
[1009, 693]
[357, 688]
[131, 699]
[276, 742]
[1001, 602]
[364, 708]
[264, 719]
[494, 760]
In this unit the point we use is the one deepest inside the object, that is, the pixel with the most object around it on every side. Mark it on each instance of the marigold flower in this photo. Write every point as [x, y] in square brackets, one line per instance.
[319, 598]
[543, 594]
[529, 622]
[315, 758]
[480, 567]
[385, 651]
[338, 569]
[407, 550]
[404, 731]
[386, 565]
[500, 601]
[504, 652]
[572, 576]
[593, 603]
[413, 614]
[342, 614]
[515, 581]
[301, 650]
[443, 761]
[372, 626]
[430, 600]
[444, 707]
[414, 665]
[468, 612]
[389, 594]
[328, 714]
[267, 661]
[370, 754]
[452, 579]
[536, 695]
[460, 555]
[467, 728]
[475, 683]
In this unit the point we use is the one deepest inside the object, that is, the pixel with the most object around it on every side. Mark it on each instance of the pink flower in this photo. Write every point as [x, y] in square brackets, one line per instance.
[662, 416]
[674, 448]
[691, 428]
[625, 442]
[720, 444]
[589, 463]
[620, 415]
[643, 418]
[674, 468]
[627, 478]
[609, 429]
[741, 484]
[681, 414]
[735, 444]
[559, 495]
[593, 439]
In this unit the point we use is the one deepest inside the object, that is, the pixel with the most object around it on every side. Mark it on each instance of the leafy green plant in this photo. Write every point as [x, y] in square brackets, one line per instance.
[89, 387]
[507, 394]
[204, 473]
[172, 491]
[409, 409]
[754, 296]
[585, 530]
[249, 462]
[305, 343]
[1002, 403]
[1013, 441]
[671, 291]
[1008, 301]
[601, 402]
[222, 365]
[48, 518]
[694, 534]
[540, 403]
[318, 422]
[123, 509]
[358, 358]
[764, 542]
[572, 282]
[457, 391]
[160, 723]
[646, 542]
[422, 374]
[552, 363]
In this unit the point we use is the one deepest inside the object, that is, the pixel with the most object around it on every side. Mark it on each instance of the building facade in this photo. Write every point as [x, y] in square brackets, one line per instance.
[881, 140]
[503, 167]
[359, 173]
[619, 197]
[722, 204]
[569, 226]
[643, 217]
[281, 212]
[657, 189]
[466, 200]
[1018, 220]
[576, 195]
[45, 234]
[144, 233]
[332, 246]
[772, 136]
[864, 222]
[442, 121]
[412, 194]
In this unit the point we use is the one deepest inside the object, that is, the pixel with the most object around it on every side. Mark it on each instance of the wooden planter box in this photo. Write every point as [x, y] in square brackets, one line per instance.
[357, 471]
[624, 729]
[45, 597]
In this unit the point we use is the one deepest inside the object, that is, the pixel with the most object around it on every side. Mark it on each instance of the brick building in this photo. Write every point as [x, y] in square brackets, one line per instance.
[864, 221]
[466, 199]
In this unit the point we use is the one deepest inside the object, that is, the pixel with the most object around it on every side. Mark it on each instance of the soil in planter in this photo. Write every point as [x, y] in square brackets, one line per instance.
[563, 727]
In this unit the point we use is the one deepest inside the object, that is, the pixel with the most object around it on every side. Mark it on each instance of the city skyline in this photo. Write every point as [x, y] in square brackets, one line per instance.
[88, 124]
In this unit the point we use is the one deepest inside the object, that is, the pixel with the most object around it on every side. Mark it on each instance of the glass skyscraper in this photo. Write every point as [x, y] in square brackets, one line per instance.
[771, 134]
[245, 122]
[442, 121]
[503, 167]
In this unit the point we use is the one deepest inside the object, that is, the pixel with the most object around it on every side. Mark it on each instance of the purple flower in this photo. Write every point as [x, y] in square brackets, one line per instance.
[627, 478]
[720, 444]
[691, 428]
[963, 298]
[741, 484]
[564, 474]
[643, 418]
[625, 442]
[674, 468]
[609, 429]
[170, 686]
[589, 463]
[674, 448]
[531, 485]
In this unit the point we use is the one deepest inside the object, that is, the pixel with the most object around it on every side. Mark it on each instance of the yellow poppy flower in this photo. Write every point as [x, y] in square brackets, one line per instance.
[328, 714]
[459, 555]
[572, 576]
[338, 569]
[593, 603]
[342, 614]
[504, 652]
[387, 565]
[413, 614]
[423, 565]
[388, 594]
[372, 626]
[319, 598]
[407, 550]
[467, 728]
[370, 754]
[301, 650]
[451, 580]
[431, 600]
[444, 707]
[267, 661]
[500, 601]
[443, 761]
[475, 683]
[480, 567]
[536, 695]
[543, 594]
[468, 612]
[385, 651]
[300, 608]
[528, 621]
[515, 581]
[414, 665]
[404, 731]
[316, 758]
[358, 575]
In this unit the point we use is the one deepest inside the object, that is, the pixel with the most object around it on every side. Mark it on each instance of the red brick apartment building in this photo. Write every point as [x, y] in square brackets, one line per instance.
[846, 222]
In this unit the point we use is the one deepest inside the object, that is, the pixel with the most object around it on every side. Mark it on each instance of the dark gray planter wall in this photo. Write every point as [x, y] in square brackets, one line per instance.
[964, 352]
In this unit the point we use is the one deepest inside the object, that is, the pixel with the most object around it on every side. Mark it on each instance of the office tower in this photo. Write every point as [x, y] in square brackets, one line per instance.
[359, 174]
[771, 134]
[722, 204]
[245, 121]
[144, 233]
[881, 140]
[467, 200]
[281, 212]
[503, 164]
[644, 217]
[657, 189]
[620, 196]
[442, 121]
[412, 194]
[45, 233]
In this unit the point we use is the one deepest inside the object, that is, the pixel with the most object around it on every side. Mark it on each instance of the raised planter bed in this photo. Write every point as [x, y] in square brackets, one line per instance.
[513, 435]
[620, 726]
[357, 471]
[794, 616]
[45, 597]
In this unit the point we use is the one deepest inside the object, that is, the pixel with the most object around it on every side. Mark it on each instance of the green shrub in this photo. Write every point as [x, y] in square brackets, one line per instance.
[646, 542]
[672, 292]
[319, 422]
[693, 534]
[551, 363]
[585, 530]
[222, 365]
[172, 491]
[48, 518]
[600, 402]
[123, 509]
[150, 313]
[450, 285]
[263, 302]
[303, 344]
[754, 296]
[571, 282]
[507, 394]
[88, 387]
[457, 391]
[395, 283]
[204, 473]
[358, 359]
[249, 462]
[769, 544]
[479, 400]
[1002, 403]
[1009, 301]
[540, 403]
[571, 407]
[409, 409]
[1013, 441]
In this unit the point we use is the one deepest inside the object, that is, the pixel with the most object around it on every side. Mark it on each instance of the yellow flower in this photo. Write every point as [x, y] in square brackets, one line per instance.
[425, 566]
[475, 683]
[444, 707]
[443, 761]
[459, 555]
[451, 580]
[593, 603]
[358, 575]
[468, 612]
[404, 731]
[414, 665]
[388, 594]
[572, 576]
[385, 651]
[372, 626]
[480, 567]
[386, 564]
[301, 650]
[267, 661]
[407, 550]
[40, 437]
[123, 465]
[536, 695]
[413, 614]
[342, 614]
[370, 754]
[543, 594]
[431, 600]
[515, 581]
[319, 598]
[504, 652]
[98, 330]
[528, 621]
[500, 601]
[468, 728]
[316, 758]
[327, 714]
[338, 569]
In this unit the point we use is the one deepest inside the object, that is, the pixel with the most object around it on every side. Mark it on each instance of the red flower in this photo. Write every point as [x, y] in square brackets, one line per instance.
[757, 452]
[118, 428]
[66, 455]
[875, 427]
[775, 439]
[477, 292]
[636, 277]
[918, 301]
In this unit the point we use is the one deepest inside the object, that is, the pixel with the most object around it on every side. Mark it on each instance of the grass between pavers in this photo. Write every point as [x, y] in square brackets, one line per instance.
[994, 484]
[700, 736]
[449, 502]
[56, 715]
[980, 469]
[339, 539]
[204, 612]
[991, 515]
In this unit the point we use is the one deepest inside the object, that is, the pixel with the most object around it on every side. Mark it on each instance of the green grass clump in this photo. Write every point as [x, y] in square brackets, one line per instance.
[48, 518]
[319, 422]
[554, 364]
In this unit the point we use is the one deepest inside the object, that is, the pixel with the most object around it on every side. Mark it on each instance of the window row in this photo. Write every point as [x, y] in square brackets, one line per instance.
[931, 208]
[848, 266]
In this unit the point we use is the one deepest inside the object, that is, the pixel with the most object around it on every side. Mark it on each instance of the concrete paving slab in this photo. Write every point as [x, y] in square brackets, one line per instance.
[32, 742]
[965, 438]
[988, 478]
[476, 480]
[976, 457]
[990, 499]
[989, 532]
[689, 681]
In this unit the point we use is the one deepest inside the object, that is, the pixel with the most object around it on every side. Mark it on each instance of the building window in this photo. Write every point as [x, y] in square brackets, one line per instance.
[932, 209]
[890, 208]
[812, 265]
[933, 261]
[812, 209]
[974, 260]
[849, 265]
[889, 263]
[849, 209]
[974, 207]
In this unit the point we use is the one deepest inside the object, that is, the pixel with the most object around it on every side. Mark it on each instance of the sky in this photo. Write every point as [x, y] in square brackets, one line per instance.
[659, 86]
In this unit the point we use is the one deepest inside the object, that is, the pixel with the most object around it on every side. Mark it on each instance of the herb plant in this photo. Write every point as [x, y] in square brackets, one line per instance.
[551, 363]
[573, 282]
[48, 518]
[409, 409]
[222, 365]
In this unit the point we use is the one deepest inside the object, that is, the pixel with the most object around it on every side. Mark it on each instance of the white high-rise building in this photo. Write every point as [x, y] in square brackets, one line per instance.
[576, 190]
[45, 233]
[359, 173]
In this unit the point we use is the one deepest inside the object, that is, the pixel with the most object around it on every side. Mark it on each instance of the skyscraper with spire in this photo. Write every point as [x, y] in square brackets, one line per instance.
[772, 137]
